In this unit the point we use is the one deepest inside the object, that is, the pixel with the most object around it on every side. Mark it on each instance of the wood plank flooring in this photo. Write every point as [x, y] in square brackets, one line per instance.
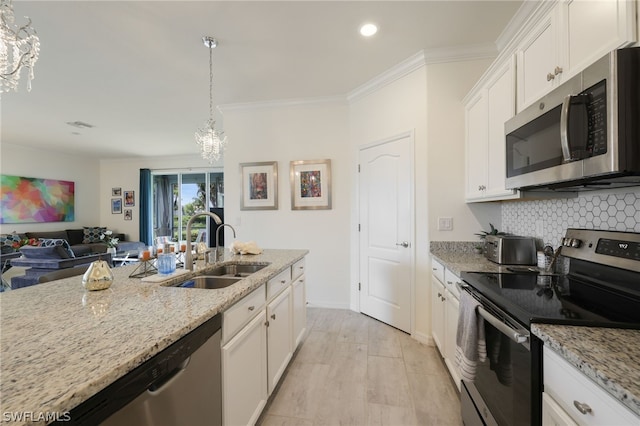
[354, 370]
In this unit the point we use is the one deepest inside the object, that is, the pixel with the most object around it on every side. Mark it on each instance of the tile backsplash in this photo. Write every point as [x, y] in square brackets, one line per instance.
[548, 219]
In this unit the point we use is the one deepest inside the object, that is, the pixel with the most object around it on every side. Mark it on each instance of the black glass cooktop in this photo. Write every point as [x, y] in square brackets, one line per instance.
[558, 299]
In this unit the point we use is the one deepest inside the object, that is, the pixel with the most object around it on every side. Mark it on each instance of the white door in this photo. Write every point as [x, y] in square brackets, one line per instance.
[386, 231]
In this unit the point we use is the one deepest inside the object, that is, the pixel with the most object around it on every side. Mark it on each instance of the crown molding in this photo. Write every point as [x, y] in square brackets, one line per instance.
[283, 103]
[518, 21]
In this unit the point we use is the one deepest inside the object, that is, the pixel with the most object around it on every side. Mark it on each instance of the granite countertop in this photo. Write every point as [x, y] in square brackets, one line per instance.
[608, 356]
[60, 344]
[458, 257]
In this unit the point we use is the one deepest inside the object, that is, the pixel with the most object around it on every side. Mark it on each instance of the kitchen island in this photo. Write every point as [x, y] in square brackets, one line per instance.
[61, 344]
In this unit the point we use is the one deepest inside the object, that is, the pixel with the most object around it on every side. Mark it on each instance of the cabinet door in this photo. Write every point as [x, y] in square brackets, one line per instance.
[244, 374]
[553, 414]
[501, 107]
[476, 146]
[437, 313]
[452, 306]
[593, 28]
[537, 58]
[299, 297]
[279, 346]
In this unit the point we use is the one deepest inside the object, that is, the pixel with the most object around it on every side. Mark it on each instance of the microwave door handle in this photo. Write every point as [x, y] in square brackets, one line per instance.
[564, 129]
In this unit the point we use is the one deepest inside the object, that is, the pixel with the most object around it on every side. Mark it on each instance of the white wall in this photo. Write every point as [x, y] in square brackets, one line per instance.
[447, 85]
[125, 174]
[284, 134]
[84, 171]
[394, 109]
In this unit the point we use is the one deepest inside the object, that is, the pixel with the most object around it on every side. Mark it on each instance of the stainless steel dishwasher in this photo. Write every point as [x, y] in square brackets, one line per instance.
[179, 386]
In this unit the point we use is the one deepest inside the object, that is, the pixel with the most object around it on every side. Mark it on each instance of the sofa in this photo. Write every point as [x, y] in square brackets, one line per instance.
[82, 241]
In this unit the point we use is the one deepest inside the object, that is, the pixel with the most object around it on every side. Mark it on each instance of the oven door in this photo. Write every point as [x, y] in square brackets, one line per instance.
[503, 392]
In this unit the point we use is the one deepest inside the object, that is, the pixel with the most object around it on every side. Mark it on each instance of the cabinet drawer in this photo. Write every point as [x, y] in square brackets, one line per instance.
[566, 384]
[242, 312]
[297, 269]
[437, 269]
[278, 283]
[450, 280]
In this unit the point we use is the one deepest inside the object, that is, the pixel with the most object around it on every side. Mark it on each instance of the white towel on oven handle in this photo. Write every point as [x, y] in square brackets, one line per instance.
[470, 337]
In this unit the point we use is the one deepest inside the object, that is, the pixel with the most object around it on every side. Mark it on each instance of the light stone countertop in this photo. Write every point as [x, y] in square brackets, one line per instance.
[60, 344]
[458, 257]
[608, 356]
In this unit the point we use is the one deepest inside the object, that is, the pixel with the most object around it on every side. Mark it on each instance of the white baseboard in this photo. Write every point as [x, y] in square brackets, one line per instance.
[423, 338]
[328, 305]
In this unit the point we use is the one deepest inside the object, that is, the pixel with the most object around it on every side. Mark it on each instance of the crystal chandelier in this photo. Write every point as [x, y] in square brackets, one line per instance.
[212, 141]
[19, 48]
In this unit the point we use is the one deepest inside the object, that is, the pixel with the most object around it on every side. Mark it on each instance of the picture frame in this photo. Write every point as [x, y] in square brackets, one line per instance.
[129, 198]
[116, 192]
[310, 184]
[116, 206]
[259, 186]
[128, 214]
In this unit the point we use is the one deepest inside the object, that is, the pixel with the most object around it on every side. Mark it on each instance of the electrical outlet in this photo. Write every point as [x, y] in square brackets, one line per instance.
[445, 224]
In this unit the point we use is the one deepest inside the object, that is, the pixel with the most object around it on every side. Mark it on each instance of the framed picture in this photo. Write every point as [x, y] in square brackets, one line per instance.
[116, 205]
[116, 192]
[129, 199]
[311, 185]
[128, 214]
[259, 186]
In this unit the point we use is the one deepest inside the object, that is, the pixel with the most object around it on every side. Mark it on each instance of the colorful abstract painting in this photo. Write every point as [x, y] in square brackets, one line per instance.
[28, 200]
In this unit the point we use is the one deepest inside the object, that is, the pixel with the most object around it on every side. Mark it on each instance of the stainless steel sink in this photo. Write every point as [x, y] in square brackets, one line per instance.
[209, 282]
[237, 269]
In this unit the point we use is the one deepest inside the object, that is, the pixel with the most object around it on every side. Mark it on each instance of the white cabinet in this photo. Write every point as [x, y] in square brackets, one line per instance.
[553, 414]
[279, 346]
[568, 38]
[486, 113]
[570, 393]
[299, 299]
[444, 315]
[244, 373]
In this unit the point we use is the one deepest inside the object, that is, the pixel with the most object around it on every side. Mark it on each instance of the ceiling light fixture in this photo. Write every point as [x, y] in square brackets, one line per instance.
[368, 30]
[212, 141]
[19, 48]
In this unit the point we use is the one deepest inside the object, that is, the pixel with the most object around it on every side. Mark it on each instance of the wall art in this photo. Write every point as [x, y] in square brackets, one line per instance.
[129, 199]
[116, 205]
[310, 185]
[259, 186]
[128, 214]
[30, 200]
[116, 192]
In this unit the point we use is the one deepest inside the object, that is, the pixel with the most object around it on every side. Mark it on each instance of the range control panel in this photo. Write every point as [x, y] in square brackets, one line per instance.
[612, 248]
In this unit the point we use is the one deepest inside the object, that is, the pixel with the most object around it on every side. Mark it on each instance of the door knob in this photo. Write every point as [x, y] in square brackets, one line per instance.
[404, 244]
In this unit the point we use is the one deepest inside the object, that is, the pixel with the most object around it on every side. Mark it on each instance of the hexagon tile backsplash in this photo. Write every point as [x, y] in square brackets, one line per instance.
[549, 219]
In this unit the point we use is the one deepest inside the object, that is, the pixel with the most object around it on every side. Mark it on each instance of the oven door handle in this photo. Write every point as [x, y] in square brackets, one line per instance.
[515, 335]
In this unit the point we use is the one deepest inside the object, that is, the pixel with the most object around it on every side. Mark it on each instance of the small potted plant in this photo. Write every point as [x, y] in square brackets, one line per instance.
[110, 241]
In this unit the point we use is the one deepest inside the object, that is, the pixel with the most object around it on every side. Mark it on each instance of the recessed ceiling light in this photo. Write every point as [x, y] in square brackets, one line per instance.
[368, 30]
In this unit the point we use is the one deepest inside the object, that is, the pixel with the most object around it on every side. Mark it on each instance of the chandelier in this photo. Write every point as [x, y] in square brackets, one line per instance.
[19, 48]
[212, 141]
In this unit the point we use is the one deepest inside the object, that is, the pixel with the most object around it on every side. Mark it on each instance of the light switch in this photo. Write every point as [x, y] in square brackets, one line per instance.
[445, 224]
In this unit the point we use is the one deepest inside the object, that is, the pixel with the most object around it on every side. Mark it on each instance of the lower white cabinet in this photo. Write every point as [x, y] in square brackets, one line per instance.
[279, 346]
[244, 373]
[572, 394]
[444, 316]
[259, 334]
[299, 299]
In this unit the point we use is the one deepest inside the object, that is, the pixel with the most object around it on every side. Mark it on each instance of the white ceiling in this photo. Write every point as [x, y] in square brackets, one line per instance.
[138, 71]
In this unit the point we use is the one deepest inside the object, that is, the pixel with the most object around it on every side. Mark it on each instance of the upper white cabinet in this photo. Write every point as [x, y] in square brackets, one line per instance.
[486, 112]
[573, 35]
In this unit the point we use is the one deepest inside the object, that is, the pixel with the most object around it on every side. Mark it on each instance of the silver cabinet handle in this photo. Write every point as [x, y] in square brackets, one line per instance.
[404, 244]
[583, 407]
[283, 281]
[550, 77]
[273, 317]
[557, 70]
[440, 295]
[251, 308]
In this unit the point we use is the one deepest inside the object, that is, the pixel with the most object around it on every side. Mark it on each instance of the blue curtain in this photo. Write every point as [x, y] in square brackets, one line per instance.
[146, 234]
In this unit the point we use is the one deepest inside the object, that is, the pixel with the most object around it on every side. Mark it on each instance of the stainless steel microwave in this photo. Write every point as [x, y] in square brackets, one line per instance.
[585, 134]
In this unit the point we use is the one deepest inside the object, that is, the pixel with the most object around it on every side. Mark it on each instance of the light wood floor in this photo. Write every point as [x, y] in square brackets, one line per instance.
[354, 370]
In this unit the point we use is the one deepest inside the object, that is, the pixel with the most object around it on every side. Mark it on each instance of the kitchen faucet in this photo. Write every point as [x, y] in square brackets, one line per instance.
[219, 254]
[188, 261]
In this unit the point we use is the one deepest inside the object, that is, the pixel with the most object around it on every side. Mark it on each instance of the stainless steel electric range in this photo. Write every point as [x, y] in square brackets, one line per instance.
[601, 289]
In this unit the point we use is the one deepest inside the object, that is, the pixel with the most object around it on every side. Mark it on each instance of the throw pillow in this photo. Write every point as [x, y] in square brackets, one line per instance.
[75, 236]
[31, 252]
[63, 244]
[92, 234]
